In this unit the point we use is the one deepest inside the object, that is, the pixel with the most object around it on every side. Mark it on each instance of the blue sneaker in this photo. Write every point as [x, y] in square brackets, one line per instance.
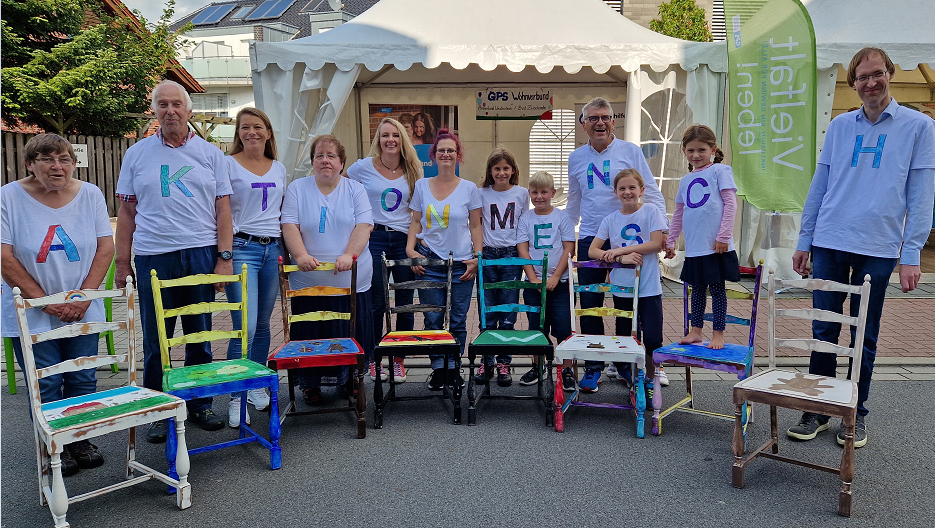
[625, 375]
[648, 388]
[590, 380]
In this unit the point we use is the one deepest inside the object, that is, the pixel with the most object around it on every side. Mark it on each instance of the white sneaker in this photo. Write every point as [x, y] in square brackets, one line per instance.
[611, 371]
[663, 379]
[233, 413]
[258, 398]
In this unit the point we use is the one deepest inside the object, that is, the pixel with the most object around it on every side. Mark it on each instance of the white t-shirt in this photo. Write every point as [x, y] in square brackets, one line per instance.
[56, 246]
[863, 198]
[628, 230]
[700, 191]
[546, 233]
[389, 199]
[500, 212]
[439, 215]
[591, 182]
[326, 224]
[256, 200]
[175, 191]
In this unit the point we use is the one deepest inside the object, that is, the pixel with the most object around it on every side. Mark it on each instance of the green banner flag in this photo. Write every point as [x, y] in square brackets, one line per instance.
[772, 80]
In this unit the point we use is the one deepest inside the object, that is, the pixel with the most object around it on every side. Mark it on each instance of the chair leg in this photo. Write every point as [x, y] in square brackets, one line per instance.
[472, 397]
[275, 427]
[737, 445]
[559, 398]
[43, 466]
[547, 398]
[172, 449]
[183, 498]
[774, 428]
[640, 404]
[378, 394]
[657, 405]
[847, 468]
[131, 450]
[361, 400]
[688, 386]
[58, 501]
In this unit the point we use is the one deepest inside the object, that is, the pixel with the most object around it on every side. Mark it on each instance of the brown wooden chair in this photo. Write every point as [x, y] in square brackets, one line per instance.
[805, 392]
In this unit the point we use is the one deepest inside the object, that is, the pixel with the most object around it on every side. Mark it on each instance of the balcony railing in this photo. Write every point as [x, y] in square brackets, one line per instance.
[218, 68]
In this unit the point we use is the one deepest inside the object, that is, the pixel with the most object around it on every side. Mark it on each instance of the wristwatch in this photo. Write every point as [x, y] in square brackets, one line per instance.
[225, 255]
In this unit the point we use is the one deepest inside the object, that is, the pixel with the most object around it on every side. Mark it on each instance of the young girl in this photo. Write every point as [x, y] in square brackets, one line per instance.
[502, 204]
[636, 236]
[709, 193]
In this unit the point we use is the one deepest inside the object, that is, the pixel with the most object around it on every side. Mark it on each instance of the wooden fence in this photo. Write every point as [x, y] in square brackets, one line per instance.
[105, 156]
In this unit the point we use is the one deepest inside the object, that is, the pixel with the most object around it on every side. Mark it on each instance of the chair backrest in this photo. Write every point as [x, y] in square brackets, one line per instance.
[604, 287]
[287, 293]
[28, 339]
[754, 296]
[855, 351]
[166, 342]
[422, 307]
[510, 285]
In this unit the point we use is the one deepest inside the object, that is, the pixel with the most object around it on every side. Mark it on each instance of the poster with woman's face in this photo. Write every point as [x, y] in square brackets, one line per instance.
[422, 123]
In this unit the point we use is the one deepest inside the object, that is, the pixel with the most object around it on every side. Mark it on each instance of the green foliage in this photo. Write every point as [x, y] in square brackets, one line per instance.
[29, 25]
[87, 83]
[682, 19]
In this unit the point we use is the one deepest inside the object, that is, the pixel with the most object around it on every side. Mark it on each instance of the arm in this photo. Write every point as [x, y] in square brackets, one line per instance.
[675, 229]
[126, 225]
[225, 223]
[729, 197]
[920, 188]
[415, 227]
[477, 240]
[296, 247]
[359, 238]
[816, 194]
[522, 249]
[595, 251]
[568, 248]
[633, 254]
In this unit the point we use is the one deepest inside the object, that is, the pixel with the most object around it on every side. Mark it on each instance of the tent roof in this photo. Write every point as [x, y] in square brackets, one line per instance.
[491, 33]
[842, 27]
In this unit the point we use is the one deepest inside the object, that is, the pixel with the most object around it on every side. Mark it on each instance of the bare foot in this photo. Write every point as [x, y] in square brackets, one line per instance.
[693, 337]
[717, 340]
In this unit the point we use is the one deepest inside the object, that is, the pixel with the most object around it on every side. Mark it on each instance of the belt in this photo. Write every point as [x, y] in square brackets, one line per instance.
[261, 239]
[381, 227]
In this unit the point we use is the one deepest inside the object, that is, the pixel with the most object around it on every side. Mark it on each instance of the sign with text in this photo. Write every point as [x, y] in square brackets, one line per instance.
[772, 84]
[514, 103]
[81, 152]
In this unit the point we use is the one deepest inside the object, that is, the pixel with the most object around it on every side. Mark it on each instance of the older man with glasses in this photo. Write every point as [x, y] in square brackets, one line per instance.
[869, 204]
[591, 171]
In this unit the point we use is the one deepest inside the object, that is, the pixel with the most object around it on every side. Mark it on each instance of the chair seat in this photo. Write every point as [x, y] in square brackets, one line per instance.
[213, 373]
[418, 337]
[585, 347]
[698, 354]
[524, 338]
[835, 391]
[85, 411]
[316, 353]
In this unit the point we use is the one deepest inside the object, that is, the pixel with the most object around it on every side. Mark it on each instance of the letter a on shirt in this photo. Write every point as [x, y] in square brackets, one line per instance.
[66, 245]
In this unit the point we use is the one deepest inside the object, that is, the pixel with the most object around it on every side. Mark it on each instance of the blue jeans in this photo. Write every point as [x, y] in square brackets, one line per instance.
[393, 243]
[174, 265]
[557, 311]
[61, 386]
[649, 331]
[500, 320]
[849, 268]
[591, 325]
[461, 292]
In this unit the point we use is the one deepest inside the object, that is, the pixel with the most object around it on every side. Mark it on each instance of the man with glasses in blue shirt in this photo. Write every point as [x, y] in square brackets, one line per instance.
[591, 171]
[869, 204]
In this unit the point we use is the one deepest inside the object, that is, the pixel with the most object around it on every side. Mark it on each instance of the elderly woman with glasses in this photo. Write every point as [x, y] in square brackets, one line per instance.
[56, 236]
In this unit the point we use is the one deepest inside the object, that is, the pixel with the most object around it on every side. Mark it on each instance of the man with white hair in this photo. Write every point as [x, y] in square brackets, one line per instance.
[175, 213]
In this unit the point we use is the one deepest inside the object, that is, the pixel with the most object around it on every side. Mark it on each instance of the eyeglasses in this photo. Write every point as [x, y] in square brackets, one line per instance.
[445, 151]
[330, 156]
[604, 118]
[876, 76]
[45, 160]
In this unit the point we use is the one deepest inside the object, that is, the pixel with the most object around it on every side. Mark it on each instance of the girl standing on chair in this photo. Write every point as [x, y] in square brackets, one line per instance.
[706, 204]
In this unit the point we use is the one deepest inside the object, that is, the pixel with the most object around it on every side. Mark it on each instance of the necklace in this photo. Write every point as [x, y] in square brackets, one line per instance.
[389, 169]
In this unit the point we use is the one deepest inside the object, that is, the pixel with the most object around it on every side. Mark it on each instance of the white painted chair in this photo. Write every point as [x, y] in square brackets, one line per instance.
[80, 418]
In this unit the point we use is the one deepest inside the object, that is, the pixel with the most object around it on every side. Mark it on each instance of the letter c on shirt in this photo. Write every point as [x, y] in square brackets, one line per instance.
[688, 193]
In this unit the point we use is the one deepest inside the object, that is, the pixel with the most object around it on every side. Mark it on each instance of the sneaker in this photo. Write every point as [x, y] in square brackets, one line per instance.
[625, 375]
[372, 366]
[860, 433]
[503, 375]
[590, 381]
[484, 373]
[530, 378]
[85, 454]
[233, 413]
[69, 466]
[437, 379]
[648, 388]
[612, 371]
[313, 396]
[157, 432]
[206, 419]
[399, 371]
[663, 379]
[259, 399]
[568, 380]
[455, 379]
[809, 426]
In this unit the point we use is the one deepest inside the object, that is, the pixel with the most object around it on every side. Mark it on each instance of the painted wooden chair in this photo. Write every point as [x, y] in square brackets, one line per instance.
[218, 377]
[514, 342]
[733, 358]
[416, 342]
[583, 347]
[62, 422]
[328, 352]
[805, 392]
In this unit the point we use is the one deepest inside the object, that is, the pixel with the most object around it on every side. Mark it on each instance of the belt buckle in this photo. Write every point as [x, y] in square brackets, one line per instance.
[263, 240]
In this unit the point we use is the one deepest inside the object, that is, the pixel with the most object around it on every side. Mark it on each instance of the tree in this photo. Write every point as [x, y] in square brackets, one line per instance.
[88, 81]
[30, 25]
[682, 19]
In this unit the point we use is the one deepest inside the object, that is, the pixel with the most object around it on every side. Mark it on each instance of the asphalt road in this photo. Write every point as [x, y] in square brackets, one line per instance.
[509, 469]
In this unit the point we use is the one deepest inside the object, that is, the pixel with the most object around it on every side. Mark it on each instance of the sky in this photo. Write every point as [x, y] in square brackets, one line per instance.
[152, 9]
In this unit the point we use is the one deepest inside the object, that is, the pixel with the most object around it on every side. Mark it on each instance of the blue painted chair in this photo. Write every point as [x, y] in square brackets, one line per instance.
[733, 358]
[514, 342]
[218, 377]
[59, 423]
[584, 347]
[327, 352]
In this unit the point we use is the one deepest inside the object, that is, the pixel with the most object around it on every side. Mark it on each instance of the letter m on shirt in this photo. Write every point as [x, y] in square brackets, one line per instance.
[496, 219]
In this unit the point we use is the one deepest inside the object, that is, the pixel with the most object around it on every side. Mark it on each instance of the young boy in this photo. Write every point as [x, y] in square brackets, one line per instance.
[546, 228]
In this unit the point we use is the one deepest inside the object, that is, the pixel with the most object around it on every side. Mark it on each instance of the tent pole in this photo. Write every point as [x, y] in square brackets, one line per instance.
[357, 114]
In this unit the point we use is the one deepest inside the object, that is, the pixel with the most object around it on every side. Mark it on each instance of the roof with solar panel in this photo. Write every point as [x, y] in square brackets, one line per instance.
[257, 12]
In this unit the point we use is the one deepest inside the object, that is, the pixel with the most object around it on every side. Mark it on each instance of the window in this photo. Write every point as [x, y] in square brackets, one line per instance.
[242, 12]
[213, 105]
[212, 14]
[550, 143]
[718, 21]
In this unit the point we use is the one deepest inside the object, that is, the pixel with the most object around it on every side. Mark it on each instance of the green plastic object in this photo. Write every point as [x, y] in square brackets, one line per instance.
[10, 364]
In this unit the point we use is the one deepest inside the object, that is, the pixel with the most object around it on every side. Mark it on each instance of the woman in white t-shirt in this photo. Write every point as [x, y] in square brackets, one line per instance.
[446, 219]
[56, 236]
[389, 175]
[327, 218]
[258, 182]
